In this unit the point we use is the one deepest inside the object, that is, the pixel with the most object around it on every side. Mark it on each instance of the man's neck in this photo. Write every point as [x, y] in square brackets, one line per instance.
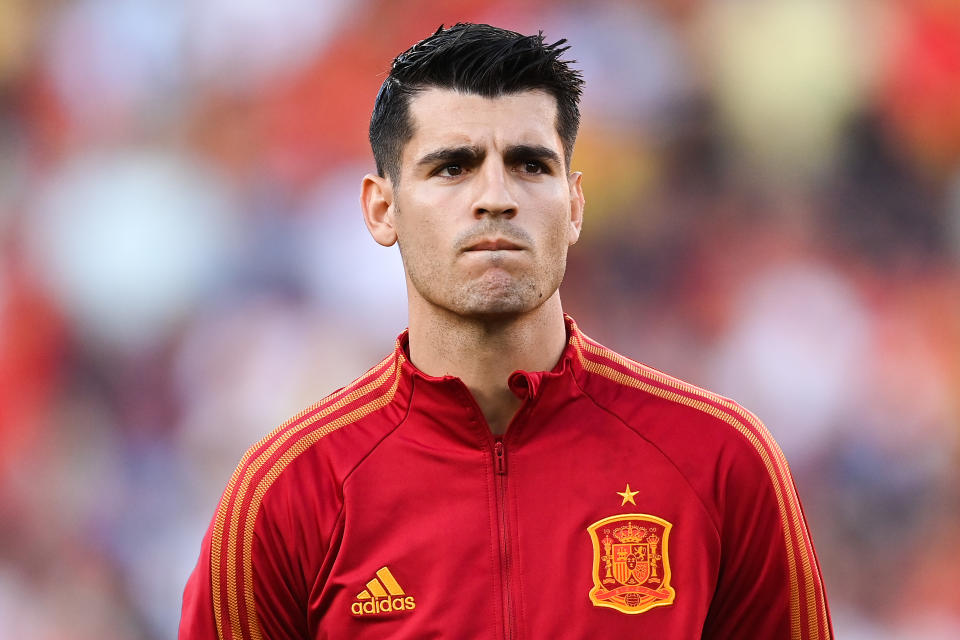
[483, 352]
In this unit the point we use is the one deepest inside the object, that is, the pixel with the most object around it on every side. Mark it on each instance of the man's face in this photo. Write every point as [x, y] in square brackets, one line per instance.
[484, 210]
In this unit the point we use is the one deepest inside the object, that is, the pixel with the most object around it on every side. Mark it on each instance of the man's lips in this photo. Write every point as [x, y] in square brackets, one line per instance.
[494, 245]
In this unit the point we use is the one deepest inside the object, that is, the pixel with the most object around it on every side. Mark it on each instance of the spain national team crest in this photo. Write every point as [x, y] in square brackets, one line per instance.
[631, 570]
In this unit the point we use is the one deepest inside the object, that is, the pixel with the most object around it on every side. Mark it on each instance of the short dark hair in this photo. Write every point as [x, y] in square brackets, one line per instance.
[478, 59]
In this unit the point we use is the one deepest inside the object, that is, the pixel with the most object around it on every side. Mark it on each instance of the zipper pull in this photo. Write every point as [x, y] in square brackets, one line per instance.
[499, 457]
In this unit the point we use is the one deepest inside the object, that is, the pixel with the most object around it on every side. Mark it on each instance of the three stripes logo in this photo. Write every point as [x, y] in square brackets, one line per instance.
[382, 595]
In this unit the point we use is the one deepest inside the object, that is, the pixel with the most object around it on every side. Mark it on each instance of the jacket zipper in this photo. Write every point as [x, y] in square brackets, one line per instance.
[500, 467]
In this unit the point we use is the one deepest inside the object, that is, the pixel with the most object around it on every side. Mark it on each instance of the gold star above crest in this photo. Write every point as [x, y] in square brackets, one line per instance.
[627, 496]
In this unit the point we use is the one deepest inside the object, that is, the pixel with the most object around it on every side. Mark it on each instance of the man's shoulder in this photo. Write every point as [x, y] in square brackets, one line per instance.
[704, 434]
[658, 405]
[325, 440]
[286, 492]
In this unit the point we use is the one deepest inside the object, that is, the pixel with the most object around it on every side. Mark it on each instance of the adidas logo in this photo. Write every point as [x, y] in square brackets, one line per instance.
[382, 595]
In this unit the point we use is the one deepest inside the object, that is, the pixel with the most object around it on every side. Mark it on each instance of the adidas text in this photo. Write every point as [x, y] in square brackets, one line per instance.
[383, 605]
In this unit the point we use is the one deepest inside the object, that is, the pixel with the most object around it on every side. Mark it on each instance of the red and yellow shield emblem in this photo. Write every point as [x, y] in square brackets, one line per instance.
[631, 570]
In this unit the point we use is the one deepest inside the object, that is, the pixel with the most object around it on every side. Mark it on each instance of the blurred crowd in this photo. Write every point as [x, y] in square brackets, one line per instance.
[773, 212]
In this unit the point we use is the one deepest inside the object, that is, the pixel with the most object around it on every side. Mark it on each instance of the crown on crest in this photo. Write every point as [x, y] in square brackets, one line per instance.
[629, 533]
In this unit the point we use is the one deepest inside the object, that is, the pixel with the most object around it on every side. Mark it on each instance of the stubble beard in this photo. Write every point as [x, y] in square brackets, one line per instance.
[497, 294]
[494, 295]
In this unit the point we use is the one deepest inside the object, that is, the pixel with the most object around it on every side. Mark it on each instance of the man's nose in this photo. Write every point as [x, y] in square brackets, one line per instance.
[495, 196]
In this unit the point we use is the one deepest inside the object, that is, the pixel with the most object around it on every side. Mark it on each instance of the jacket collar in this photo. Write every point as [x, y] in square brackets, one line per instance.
[445, 407]
[522, 383]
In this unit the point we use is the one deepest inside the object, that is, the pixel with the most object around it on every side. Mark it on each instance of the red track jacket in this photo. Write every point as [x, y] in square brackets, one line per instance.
[621, 503]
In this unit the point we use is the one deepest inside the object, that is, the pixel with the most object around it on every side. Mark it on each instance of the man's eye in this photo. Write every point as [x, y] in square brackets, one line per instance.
[532, 166]
[450, 171]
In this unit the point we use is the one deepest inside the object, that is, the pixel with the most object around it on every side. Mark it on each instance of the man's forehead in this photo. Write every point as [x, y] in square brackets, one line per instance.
[447, 117]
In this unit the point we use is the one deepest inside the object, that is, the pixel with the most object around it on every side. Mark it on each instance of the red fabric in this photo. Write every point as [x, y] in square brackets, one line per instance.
[399, 470]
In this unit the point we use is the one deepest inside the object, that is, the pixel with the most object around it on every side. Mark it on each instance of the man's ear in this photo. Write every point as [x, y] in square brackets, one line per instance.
[577, 203]
[376, 201]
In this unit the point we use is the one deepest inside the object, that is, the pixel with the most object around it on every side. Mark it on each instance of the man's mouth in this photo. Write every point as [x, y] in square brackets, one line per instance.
[498, 244]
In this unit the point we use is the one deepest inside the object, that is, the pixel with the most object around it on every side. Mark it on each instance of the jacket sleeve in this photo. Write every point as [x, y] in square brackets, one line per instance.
[769, 584]
[196, 617]
[248, 581]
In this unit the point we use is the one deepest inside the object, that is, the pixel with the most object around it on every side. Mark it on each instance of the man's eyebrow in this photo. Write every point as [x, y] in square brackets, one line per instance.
[521, 152]
[462, 155]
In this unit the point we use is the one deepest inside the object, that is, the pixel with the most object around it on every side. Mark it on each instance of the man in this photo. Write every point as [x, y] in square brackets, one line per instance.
[501, 475]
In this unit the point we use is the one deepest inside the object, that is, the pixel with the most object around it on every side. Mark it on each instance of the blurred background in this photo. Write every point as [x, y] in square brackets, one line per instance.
[773, 212]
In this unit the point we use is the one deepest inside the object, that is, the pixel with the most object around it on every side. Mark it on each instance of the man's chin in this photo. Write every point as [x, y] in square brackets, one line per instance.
[498, 305]
[495, 314]
[495, 296]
